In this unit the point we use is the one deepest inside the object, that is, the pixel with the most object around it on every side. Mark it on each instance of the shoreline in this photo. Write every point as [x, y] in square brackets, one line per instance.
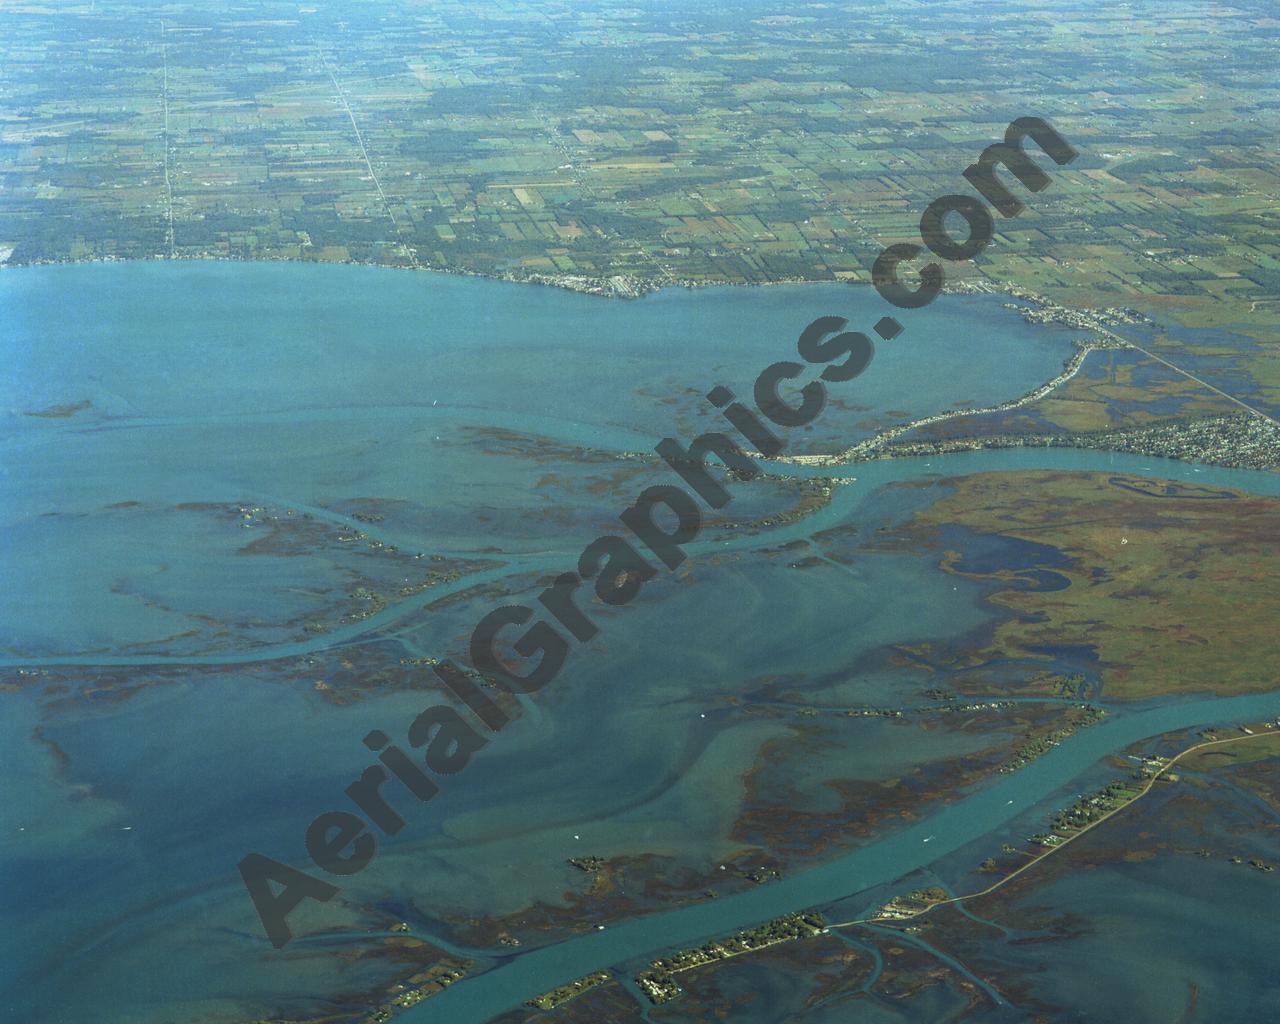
[615, 286]
[1180, 437]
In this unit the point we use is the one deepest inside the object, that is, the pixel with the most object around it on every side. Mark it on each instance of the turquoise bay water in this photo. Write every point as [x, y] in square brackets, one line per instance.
[311, 387]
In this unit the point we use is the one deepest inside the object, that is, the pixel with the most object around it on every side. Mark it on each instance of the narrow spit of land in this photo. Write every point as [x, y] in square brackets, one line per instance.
[1101, 323]
[863, 449]
[1270, 730]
